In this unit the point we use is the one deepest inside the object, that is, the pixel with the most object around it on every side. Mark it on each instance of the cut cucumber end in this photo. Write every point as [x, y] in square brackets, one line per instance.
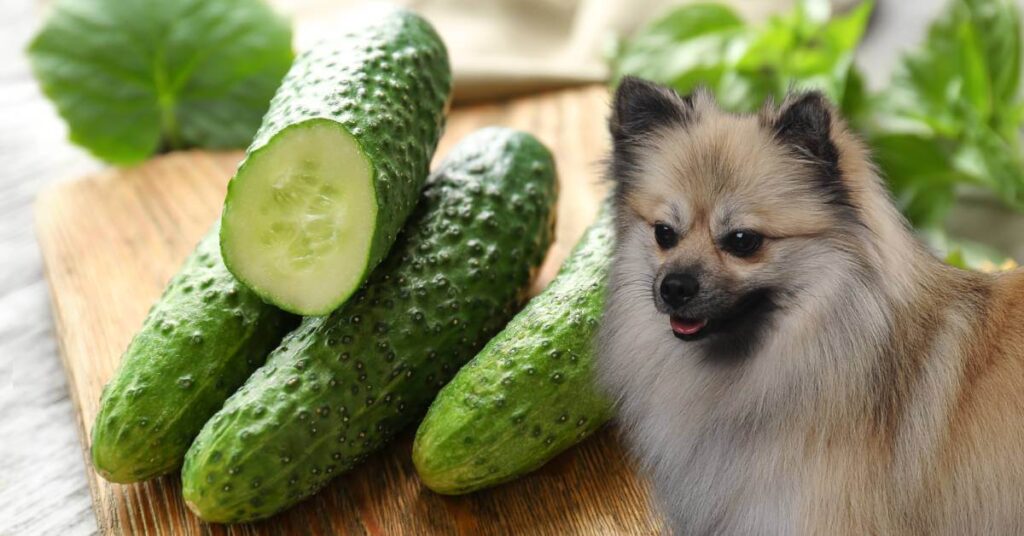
[299, 218]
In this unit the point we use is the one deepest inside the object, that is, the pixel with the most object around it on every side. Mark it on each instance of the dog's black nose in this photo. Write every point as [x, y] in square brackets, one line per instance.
[677, 289]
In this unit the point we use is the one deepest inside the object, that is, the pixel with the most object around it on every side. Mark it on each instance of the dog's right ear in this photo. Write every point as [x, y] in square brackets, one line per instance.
[638, 109]
[641, 107]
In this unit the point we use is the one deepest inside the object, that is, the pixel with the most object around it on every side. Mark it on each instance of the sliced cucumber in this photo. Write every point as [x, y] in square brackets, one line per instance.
[339, 162]
[308, 209]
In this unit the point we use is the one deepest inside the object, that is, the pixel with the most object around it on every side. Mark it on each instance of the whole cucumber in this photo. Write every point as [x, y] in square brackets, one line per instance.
[340, 386]
[530, 393]
[338, 163]
[200, 341]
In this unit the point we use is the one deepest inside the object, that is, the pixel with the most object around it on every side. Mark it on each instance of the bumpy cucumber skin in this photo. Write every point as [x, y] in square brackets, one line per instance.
[204, 336]
[339, 387]
[529, 394]
[386, 82]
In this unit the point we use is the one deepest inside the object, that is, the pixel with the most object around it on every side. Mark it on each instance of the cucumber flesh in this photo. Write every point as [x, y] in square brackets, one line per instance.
[302, 226]
[339, 162]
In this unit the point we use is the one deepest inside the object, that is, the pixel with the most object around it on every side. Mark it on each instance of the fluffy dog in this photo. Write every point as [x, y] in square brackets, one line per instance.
[785, 356]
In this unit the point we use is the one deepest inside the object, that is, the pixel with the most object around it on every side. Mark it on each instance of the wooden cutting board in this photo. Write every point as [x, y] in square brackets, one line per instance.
[112, 240]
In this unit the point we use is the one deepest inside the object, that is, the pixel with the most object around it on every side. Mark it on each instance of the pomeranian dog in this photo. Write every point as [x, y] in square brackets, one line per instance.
[785, 356]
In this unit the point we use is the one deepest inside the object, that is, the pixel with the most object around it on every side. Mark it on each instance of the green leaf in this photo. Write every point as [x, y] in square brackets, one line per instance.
[920, 174]
[956, 258]
[992, 163]
[685, 47]
[131, 77]
[688, 22]
[998, 28]
[856, 103]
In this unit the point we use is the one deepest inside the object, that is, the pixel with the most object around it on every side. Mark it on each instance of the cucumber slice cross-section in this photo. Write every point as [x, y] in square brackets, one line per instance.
[339, 162]
[305, 216]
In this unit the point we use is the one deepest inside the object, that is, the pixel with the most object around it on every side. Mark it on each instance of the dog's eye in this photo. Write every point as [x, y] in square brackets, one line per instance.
[665, 235]
[742, 243]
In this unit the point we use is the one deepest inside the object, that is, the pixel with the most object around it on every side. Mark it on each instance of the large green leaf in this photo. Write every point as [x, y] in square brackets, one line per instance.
[134, 76]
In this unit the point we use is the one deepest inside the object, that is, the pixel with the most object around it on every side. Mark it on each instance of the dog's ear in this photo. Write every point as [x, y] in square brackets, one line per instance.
[640, 107]
[805, 124]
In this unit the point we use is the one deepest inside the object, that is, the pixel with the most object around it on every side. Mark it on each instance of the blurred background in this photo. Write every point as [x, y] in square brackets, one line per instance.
[933, 86]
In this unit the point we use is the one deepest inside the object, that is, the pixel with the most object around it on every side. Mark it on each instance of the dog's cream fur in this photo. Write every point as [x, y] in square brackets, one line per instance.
[886, 394]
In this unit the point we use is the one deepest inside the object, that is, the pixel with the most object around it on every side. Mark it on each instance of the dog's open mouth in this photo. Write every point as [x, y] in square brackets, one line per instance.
[740, 322]
[687, 329]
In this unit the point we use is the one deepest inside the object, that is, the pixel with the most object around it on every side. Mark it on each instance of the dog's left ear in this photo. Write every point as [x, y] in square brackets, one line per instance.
[805, 123]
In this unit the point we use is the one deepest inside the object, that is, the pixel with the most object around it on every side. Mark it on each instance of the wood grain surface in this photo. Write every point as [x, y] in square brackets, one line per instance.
[112, 240]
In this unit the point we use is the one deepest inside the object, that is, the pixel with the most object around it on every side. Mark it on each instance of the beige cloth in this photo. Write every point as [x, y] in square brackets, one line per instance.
[505, 47]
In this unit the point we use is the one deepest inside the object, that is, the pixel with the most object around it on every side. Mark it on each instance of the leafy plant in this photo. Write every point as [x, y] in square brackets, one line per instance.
[952, 114]
[710, 45]
[131, 77]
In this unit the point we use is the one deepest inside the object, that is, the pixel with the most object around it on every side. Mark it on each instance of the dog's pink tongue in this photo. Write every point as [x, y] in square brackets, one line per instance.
[687, 327]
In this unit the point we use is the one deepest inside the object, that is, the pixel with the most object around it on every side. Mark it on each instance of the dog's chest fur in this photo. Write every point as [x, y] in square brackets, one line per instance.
[735, 450]
[725, 477]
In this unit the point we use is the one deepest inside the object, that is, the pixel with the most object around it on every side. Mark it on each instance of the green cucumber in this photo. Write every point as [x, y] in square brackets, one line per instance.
[530, 393]
[339, 162]
[340, 386]
[200, 341]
